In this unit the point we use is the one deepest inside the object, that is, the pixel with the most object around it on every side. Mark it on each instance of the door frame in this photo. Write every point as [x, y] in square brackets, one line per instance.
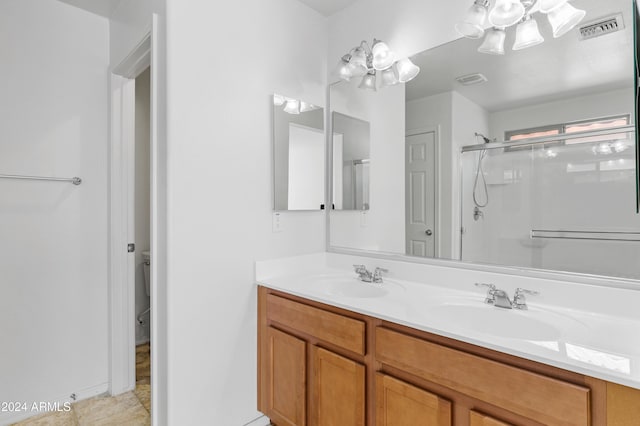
[122, 374]
[437, 190]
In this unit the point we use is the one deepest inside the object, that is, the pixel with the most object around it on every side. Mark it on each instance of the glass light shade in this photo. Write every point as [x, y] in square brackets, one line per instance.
[473, 24]
[358, 62]
[306, 107]
[292, 106]
[564, 18]
[547, 6]
[506, 13]
[406, 70]
[344, 70]
[388, 77]
[493, 42]
[368, 82]
[383, 57]
[527, 34]
[279, 100]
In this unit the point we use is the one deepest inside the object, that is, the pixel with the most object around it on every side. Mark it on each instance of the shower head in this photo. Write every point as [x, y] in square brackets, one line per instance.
[484, 138]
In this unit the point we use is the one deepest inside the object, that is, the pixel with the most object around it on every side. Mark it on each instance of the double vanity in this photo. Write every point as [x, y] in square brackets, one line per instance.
[426, 345]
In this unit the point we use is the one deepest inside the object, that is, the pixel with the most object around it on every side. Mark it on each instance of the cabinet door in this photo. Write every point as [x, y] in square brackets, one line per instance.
[400, 404]
[338, 390]
[479, 419]
[287, 371]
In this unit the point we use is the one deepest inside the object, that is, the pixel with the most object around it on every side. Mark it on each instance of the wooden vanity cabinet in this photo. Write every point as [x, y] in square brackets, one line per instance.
[311, 364]
[323, 366]
[399, 403]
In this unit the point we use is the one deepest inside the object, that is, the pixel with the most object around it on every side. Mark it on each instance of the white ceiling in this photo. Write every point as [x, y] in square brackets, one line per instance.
[553, 70]
[99, 7]
[328, 7]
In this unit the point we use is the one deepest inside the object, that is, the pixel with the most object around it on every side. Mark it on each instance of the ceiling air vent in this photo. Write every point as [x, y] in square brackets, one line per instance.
[471, 79]
[601, 26]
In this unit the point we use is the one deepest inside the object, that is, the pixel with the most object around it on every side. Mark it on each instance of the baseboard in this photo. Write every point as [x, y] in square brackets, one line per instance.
[7, 418]
[260, 421]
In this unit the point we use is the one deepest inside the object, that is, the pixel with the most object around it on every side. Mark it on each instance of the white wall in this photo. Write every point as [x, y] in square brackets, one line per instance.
[382, 227]
[225, 64]
[53, 256]
[456, 119]
[142, 197]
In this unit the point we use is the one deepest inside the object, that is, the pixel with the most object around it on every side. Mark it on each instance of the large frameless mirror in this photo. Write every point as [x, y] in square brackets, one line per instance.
[298, 155]
[526, 159]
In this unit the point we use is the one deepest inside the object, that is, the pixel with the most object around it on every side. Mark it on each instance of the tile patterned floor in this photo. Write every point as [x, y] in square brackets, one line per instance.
[131, 408]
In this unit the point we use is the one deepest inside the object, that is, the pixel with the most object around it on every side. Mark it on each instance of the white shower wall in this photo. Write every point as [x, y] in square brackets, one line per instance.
[53, 250]
[529, 191]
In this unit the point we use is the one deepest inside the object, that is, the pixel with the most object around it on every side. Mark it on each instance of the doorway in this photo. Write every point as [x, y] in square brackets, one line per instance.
[142, 233]
[420, 194]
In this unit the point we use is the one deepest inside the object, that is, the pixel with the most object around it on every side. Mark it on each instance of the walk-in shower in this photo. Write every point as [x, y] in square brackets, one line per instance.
[561, 202]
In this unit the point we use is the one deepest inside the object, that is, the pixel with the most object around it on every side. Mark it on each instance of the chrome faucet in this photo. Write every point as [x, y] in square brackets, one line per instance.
[519, 301]
[377, 275]
[500, 298]
[363, 273]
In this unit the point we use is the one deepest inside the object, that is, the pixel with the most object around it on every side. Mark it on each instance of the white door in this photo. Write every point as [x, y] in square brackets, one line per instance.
[420, 187]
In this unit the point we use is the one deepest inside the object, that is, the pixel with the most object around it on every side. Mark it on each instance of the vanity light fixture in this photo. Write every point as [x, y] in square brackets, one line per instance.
[371, 63]
[293, 106]
[562, 16]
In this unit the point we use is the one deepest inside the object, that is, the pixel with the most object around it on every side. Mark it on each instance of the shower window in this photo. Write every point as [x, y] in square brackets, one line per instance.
[572, 127]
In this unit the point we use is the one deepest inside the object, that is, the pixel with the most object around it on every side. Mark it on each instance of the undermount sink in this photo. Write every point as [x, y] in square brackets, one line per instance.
[507, 323]
[356, 289]
[351, 287]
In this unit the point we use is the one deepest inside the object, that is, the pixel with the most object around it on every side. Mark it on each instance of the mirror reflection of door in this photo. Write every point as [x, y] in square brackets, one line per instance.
[306, 167]
[420, 186]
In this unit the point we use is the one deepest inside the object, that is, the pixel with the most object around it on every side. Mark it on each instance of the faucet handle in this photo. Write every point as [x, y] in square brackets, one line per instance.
[359, 268]
[377, 274]
[491, 289]
[519, 299]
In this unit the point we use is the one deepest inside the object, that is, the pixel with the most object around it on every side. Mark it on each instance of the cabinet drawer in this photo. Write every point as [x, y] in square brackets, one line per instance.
[347, 333]
[528, 394]
[479, 419]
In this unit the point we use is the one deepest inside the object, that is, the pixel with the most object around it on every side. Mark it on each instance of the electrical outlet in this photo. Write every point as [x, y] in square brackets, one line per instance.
[276, 224]
[364, 218]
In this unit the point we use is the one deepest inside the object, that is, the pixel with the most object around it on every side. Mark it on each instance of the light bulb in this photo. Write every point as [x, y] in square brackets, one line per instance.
[472, 26]
[547, 6]
[383, 57]
[344, 70]
[564, 18]
[527, 34]
[292, 107]
[388, 77]
[406, 70]
[493, 42]
[278, 100]
[358, 62]
[369, 81]
[506, 13]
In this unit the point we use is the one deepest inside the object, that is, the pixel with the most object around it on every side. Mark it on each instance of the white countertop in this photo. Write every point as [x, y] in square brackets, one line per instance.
[590, 330]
